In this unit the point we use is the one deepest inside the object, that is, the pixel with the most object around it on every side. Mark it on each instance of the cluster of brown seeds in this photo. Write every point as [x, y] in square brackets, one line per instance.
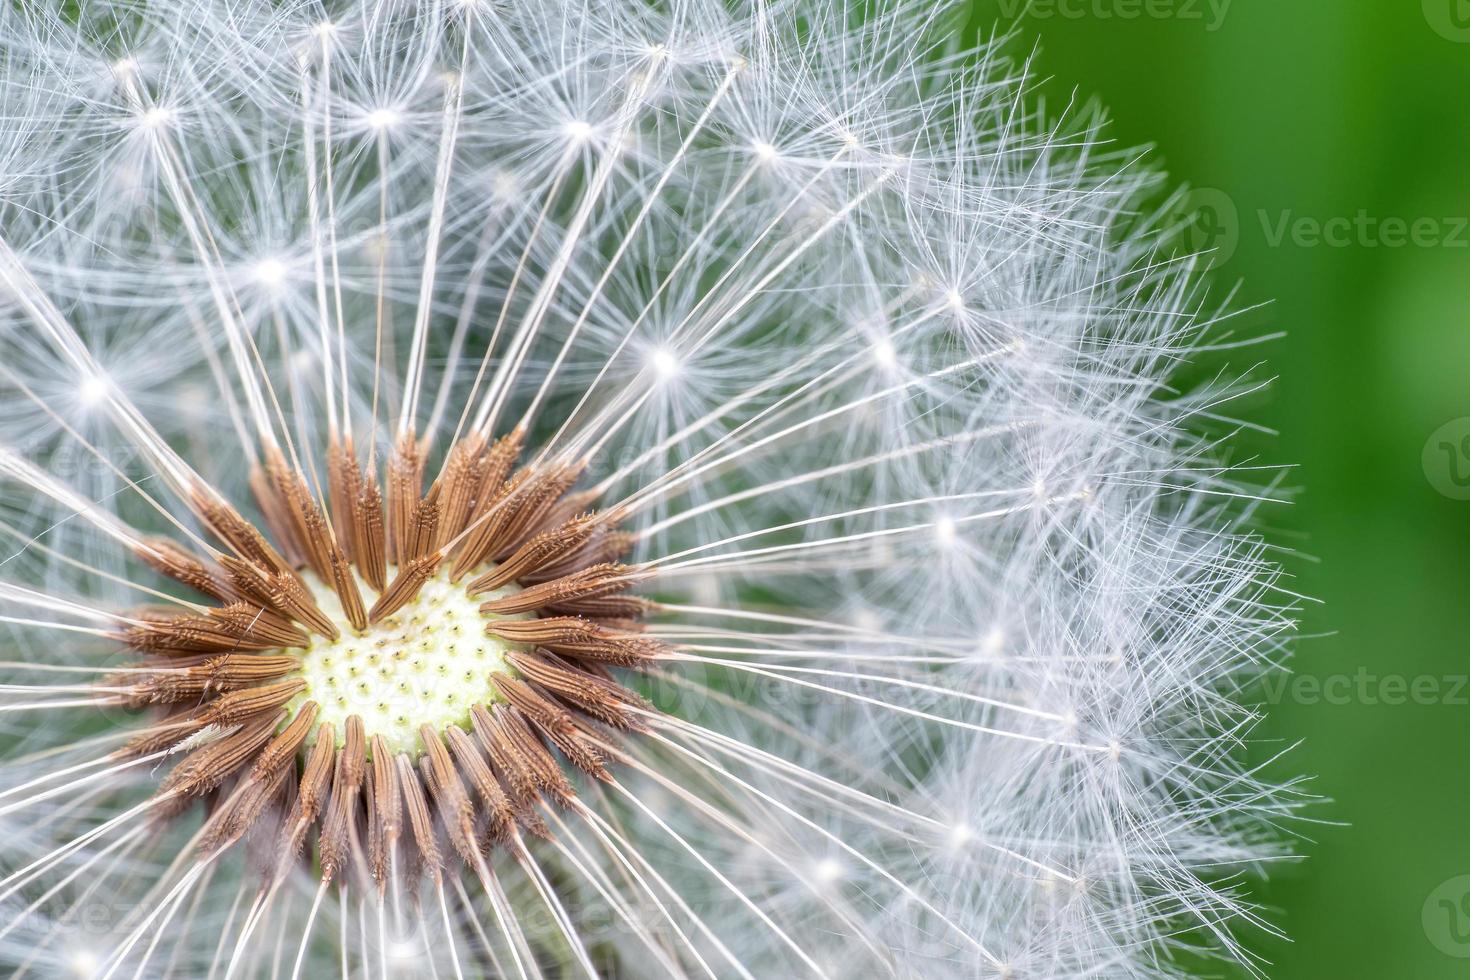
[227, 685]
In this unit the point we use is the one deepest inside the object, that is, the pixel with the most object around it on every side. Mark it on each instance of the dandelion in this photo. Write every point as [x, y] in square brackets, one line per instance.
[534, 490]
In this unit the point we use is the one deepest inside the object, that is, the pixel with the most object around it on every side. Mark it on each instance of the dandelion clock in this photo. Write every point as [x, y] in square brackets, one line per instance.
[519, 490]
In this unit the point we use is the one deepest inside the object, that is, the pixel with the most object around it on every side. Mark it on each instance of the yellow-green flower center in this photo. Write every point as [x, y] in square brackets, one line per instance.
[427, 664]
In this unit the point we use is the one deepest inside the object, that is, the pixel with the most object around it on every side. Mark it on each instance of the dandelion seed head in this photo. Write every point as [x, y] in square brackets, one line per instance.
[577, 502]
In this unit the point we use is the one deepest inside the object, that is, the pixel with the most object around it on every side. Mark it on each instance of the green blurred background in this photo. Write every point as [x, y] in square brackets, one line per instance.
[1289, 114]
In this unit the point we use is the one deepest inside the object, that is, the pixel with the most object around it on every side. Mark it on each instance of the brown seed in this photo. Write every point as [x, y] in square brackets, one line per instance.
[508, 761]
[179, 725]
[404, 480]
[540, 501]
[273, 509]
[498, 807]
[289, 595]
[303, 525]
[238, 626]
[497, 464]
[238, 706]
[603, 699]
[517, 512]
[369, 535]
[456, 486]
[168, 558]
[346, 784]
[209, 766]
[343, 483]
[455, 808]
[212, 674]
[574, 637]
[344, 583]
[234, 530]
[405, 587]
[423, 529]
[552, 720]
[589, 583]
[418, 817]
[233, 817]
[605, 547]
[539, 762]
[484, 531]
[547, 548]
[315, 783]
[282, 748]
[240, 812]
[624, 608]
[247, 619]
[386, 807]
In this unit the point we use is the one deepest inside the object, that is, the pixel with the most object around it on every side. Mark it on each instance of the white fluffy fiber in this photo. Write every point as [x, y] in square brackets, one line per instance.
[881, 353]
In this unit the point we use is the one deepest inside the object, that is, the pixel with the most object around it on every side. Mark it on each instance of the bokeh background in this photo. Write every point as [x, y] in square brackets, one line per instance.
[1330, 145]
